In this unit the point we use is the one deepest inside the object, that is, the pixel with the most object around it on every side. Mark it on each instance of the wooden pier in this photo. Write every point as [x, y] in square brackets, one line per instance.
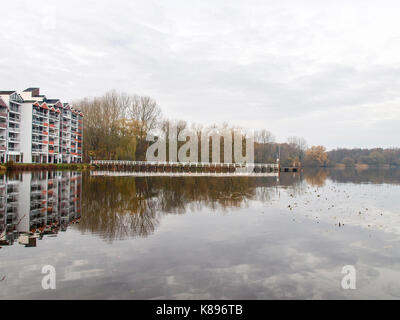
[189, 167]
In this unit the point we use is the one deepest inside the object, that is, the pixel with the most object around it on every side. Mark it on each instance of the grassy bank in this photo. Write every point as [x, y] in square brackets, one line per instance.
[44, 166]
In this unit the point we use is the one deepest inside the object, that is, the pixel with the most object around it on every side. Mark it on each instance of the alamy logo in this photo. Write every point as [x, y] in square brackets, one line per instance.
[349, 280]
[49, 280]
[234, 143]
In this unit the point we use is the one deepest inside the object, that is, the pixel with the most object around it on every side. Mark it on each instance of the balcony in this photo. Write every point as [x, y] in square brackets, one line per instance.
[14, 119]
[3, 125]
[13, 200]
[39, 150]
[38, 132]
[39, 114]
[14, 140]
[12, 190]
[37, 122]
[14, 109]
[14, 129]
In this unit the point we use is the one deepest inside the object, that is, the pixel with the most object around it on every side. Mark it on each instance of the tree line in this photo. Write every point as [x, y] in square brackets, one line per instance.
[372, 157]
[116, 126]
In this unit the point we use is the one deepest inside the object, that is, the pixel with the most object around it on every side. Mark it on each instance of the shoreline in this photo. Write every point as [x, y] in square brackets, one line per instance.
[87, 166]
[45, 166]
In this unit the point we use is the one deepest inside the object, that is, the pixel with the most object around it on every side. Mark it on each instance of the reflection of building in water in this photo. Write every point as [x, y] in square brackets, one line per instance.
[36, 204]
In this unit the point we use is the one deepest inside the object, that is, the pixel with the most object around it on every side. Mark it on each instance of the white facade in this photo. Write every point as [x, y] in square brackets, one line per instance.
[10, 126]
[34, 129]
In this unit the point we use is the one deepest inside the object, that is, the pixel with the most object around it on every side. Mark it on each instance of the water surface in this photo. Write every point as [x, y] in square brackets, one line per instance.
[284, 237]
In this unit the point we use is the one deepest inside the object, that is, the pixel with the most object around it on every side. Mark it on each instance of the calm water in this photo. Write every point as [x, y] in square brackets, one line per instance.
[201, 237]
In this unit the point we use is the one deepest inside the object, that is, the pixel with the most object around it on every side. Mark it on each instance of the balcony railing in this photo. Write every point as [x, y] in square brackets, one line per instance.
[39, 113]
[14, 119]
[14, 109]
[36, 122]
[38, 132]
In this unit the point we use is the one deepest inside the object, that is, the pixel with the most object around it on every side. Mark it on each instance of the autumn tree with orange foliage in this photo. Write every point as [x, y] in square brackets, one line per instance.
[316, 156]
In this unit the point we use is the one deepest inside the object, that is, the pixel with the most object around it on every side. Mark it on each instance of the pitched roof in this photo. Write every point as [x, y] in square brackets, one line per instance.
[7, 92]
[31, 89]
[51, 101]
[44, 106]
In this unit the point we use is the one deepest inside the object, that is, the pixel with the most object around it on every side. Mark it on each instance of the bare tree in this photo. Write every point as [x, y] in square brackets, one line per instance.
[264, 137]
[300, 146]
[298, 142]
[146, 111]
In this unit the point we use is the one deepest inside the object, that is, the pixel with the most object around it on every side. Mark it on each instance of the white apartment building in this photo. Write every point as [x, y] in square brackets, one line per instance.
[35, 129]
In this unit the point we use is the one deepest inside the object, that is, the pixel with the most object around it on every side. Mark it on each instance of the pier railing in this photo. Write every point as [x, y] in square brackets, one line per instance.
[195, 164]
[173, 167]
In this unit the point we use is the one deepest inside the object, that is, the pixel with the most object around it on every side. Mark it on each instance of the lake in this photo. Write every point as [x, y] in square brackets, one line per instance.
[201, 237]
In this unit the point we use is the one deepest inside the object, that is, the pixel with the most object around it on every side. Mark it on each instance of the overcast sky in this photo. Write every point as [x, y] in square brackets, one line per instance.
[328, 71]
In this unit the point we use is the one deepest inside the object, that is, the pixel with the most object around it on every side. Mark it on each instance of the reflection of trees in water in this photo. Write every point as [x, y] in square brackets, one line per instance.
[115, 208]
[316, 177]
[176, 195]
[120, 207]
[371, 175]
[293, 182]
